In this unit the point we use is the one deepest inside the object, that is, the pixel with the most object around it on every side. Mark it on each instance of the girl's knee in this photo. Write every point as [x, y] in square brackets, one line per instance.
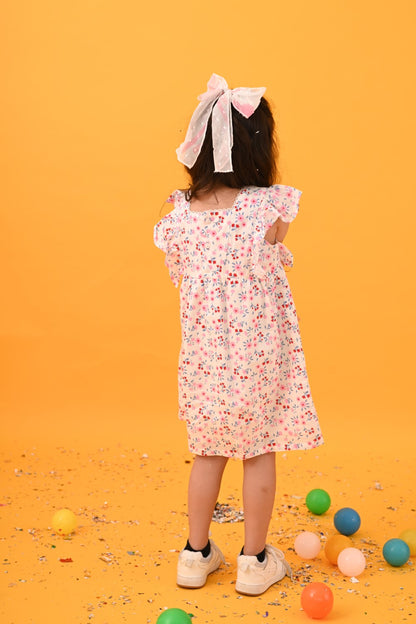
[265, 458]
[215, 462]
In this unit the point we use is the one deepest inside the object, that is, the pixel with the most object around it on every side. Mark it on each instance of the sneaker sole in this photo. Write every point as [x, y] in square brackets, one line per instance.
[195, 582]
[190, 583]
[255, 590]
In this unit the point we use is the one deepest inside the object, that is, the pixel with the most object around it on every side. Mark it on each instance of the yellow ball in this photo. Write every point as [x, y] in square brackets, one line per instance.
[64, 522]
[335, 545]
[409, 536]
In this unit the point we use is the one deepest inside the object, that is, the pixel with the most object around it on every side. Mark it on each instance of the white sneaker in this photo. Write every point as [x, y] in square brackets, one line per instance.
[253, 577]
[193, 568]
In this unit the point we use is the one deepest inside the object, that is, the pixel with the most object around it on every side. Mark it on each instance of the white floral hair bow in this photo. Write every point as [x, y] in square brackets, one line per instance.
[218, 99]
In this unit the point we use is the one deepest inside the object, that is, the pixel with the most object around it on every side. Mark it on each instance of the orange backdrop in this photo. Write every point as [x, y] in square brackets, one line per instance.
[96, 97]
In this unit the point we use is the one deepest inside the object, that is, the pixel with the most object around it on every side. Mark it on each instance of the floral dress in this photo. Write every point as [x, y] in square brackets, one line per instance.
[243, 384]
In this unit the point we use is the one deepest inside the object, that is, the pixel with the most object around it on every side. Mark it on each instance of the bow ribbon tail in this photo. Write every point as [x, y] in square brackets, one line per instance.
[222, 134]
[189, 150]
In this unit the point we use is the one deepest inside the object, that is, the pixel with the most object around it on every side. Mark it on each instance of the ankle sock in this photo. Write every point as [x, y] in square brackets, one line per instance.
[260, 556]
[205, 551]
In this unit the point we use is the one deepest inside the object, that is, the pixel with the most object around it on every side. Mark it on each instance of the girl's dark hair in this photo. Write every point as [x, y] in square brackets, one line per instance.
[255, 154]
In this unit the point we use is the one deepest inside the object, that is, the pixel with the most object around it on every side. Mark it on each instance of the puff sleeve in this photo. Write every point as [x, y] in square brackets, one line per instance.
[166, 235]
[281, 201]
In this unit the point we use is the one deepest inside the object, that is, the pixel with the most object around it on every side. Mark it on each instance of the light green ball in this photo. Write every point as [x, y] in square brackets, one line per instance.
[318, 501]
[174, 616]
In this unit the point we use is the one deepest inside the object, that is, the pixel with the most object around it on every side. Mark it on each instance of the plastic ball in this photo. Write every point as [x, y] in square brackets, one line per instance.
[64, 521]
[351, 561]
[347, 521]
[396, 552]
[318, 501]
[174, 616]
[334, 545]
[307, 545]
[317, 600]
[409, 536]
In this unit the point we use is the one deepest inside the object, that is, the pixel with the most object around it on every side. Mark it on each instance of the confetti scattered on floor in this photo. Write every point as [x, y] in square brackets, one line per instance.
[120, 563]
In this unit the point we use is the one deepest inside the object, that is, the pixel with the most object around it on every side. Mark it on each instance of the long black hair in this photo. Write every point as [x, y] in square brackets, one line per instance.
[255, 154]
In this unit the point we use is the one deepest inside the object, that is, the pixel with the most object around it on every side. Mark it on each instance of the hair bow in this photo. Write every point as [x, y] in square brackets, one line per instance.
[218, 99]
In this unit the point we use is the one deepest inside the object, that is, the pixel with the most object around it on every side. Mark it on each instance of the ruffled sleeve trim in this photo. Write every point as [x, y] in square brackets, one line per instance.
[166, 236]
[177, 198]
[281, 201]
[285, 255]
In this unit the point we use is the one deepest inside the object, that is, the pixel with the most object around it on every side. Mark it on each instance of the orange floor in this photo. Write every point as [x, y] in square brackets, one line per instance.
[128, 491]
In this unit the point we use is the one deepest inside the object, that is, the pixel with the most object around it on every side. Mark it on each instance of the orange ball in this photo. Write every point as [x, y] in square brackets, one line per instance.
[317, 600]
[334, 545]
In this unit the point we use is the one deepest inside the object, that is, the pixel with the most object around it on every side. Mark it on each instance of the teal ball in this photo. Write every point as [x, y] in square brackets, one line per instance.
[396, 552]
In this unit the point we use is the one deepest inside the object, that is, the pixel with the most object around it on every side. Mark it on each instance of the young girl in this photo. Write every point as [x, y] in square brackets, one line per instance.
[243, 386]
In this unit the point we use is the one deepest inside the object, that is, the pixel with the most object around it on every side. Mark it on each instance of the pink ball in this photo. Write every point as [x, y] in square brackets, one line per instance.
[351, 561]
[307, 545]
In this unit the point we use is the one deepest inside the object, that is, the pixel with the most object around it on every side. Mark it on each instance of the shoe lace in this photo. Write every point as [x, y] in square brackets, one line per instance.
[279, 555]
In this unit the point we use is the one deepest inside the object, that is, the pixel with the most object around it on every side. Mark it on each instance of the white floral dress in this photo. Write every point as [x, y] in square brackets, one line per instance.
[243, 384]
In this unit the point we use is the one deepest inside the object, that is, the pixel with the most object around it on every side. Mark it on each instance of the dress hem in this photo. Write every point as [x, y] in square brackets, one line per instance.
[244, 456]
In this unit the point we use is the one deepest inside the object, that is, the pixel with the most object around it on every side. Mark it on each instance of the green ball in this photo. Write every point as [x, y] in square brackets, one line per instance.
[174, 616]
[318, 501]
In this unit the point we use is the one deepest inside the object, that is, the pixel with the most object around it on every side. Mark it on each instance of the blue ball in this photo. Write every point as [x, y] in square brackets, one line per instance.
[396, 552]
[347, 521]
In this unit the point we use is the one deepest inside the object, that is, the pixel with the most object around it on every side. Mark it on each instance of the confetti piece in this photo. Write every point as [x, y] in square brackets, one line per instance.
[66, 560]
[107, 557]
[225, 513]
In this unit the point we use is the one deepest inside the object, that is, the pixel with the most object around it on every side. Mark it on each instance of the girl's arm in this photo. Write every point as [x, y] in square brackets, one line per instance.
[277, 232]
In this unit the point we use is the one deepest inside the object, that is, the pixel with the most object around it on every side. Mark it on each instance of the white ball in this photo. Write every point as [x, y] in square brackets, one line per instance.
[307, 545]
[351, 561]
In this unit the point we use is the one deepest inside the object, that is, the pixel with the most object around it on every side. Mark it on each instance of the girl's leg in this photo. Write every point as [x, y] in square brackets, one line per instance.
[259, 487]
[204, 486]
